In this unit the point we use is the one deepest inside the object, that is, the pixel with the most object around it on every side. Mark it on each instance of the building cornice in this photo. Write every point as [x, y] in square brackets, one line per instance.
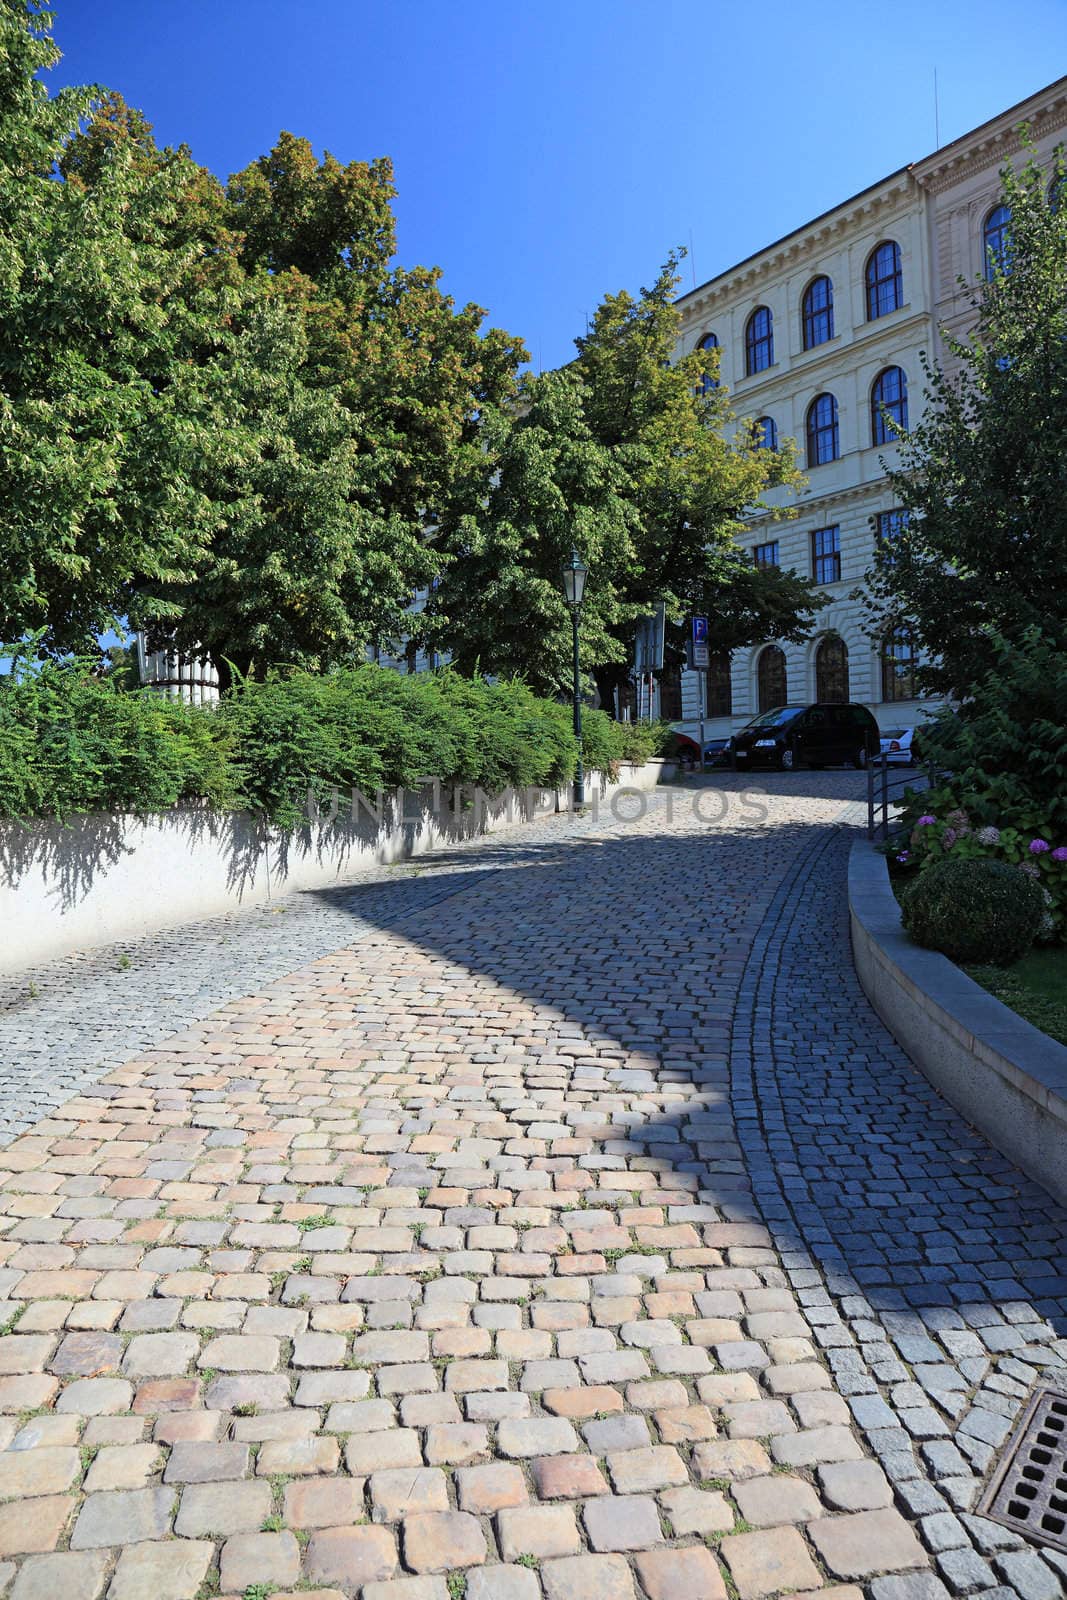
[995, 142]
[801, 506]
[804, 245]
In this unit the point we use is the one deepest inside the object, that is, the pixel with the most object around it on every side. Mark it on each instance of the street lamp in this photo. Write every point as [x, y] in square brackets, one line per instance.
[574, 576]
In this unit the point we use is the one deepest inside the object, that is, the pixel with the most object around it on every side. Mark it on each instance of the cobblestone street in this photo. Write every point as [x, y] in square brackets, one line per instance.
[551, 1219]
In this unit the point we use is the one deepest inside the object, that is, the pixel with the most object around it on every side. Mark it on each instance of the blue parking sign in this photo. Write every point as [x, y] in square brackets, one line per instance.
[700, 630]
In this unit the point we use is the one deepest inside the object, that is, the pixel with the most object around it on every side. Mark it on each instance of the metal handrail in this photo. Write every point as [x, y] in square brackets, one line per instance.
[883, 821]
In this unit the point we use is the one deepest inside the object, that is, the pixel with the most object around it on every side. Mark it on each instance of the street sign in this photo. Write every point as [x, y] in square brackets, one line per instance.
[700, 655]
[700, 631]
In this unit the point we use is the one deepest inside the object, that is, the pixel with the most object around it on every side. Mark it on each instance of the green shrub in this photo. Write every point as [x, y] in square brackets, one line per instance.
[977, 911]
[72, 742]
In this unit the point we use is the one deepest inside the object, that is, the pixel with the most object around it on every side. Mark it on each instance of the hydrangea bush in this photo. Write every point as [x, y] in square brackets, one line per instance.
[952, 836]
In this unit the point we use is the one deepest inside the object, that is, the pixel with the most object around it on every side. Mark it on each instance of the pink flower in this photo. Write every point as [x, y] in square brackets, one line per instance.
[1038, 846]
[1060, 853]
[925, 822]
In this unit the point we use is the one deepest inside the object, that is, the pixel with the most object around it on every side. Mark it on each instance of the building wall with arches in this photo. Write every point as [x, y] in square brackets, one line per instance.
[934, 212]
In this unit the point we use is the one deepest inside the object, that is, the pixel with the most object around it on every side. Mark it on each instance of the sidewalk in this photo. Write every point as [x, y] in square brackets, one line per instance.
[554, 1219]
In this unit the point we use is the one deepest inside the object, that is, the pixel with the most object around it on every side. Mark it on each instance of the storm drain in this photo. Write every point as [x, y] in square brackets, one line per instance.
[1028, 1490]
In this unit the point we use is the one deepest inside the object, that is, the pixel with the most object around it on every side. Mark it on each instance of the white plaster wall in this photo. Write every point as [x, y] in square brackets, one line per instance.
[99, 879]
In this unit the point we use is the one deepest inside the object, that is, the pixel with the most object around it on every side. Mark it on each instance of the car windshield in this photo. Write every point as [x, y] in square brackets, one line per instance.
[895, 733]
[775, 718]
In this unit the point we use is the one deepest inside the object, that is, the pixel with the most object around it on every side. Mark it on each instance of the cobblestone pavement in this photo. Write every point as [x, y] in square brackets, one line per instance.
[552, 1221]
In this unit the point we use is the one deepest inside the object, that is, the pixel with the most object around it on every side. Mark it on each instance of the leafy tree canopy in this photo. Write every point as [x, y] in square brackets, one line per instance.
[629, 455]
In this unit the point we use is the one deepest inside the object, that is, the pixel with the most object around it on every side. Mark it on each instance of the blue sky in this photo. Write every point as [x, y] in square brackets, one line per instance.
[548, 151]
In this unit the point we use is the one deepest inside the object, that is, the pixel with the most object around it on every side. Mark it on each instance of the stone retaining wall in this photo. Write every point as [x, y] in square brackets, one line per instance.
[1005, 1076]
[101, 878]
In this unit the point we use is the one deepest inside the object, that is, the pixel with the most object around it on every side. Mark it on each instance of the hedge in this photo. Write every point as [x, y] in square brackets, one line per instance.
[74, 741]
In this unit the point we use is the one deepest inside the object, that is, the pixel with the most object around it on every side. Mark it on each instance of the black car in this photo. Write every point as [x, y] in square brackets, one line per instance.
[821, 735]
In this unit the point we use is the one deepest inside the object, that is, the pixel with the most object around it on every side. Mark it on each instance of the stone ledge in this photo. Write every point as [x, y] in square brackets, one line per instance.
[1006, 1077]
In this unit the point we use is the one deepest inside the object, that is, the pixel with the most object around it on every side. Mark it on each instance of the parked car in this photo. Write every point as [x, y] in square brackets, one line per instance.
[717, 752]
[821, 735]
[899, 747]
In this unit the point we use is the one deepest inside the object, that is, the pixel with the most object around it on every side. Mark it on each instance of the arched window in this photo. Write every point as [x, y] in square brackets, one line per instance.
[765, 433]
[759, 341]
[885, 283]
[771, 678]
[889, 406]
[831, 670]
[818, 312]
[898, 665]
[709, 380]
[720, 692]
[823, 443]
[995, 238]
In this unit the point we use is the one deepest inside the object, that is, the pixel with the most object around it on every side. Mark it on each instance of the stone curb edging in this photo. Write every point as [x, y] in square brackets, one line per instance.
[1006, 1077]
[98, 879]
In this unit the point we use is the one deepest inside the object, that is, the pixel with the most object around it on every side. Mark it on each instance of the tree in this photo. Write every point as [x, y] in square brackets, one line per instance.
[983, 474]
[627, 453]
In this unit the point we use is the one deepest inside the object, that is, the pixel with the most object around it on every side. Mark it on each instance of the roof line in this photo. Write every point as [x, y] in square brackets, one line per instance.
[860, 193]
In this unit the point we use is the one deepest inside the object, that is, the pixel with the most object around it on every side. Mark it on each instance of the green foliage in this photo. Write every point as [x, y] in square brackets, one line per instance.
[1035, 987]
[982, 472]
[624, 455]
[71, 741]
[1005, 797]
[223, 413]
[979, 911]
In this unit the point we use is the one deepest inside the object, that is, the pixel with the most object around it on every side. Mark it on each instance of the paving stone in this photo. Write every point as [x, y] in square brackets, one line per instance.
[173, 1570]
[206, 1463]
[540, 1531]
[96, 1397]
[376, 1452]
[352, 1557]
[694, 1572]
[866, 1542]
[27, 1473]
[323, 1502]
[485, 1489]
[768, 1562]
[76, 1575]
[537, 1436]
[735, 1459]
[405, 1491]
[160, 1355]
[570, 1477]
[249, 1559]
[440, 1541]
[1028, 1575]
[577, 1577]
[770, 1502]
[499, 1583]
[638, 1471]
[696, 1511]
[400, 1589]
[964, 1570]
[127, 1466]
[29, 1527]
[855, 1486]
[622, 1522]
[222, 1509]
[298, 1457]
[123, 1516]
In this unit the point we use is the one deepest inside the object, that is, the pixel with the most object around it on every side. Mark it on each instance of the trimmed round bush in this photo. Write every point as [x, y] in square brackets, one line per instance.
[979, 910]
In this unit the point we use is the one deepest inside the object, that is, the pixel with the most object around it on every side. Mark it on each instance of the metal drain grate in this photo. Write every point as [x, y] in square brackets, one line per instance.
[1028, 1490]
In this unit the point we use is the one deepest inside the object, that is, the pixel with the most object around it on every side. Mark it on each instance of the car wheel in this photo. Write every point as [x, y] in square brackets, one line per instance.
[787, 760]
[860, 758]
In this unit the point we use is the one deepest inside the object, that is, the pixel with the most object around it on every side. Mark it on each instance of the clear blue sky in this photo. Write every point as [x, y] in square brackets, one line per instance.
[547, 151]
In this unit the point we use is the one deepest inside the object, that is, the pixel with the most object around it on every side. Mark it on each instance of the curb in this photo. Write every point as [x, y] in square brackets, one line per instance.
[1005, 1076]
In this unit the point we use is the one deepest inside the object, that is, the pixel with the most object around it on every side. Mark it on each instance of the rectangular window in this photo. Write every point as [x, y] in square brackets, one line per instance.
[826, 554]
[766, 555]
[891, 525]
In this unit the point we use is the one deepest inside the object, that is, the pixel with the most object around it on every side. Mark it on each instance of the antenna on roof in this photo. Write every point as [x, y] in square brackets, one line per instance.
[937, 118]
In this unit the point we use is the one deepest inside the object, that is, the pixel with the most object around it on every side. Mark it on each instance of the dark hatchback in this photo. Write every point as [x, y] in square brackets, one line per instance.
[821, 735]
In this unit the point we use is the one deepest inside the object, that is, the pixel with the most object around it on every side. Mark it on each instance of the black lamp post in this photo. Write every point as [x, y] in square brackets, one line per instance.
[574, 576]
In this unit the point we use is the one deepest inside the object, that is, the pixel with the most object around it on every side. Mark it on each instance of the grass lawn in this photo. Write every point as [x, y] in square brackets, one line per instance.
[1035, 987]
